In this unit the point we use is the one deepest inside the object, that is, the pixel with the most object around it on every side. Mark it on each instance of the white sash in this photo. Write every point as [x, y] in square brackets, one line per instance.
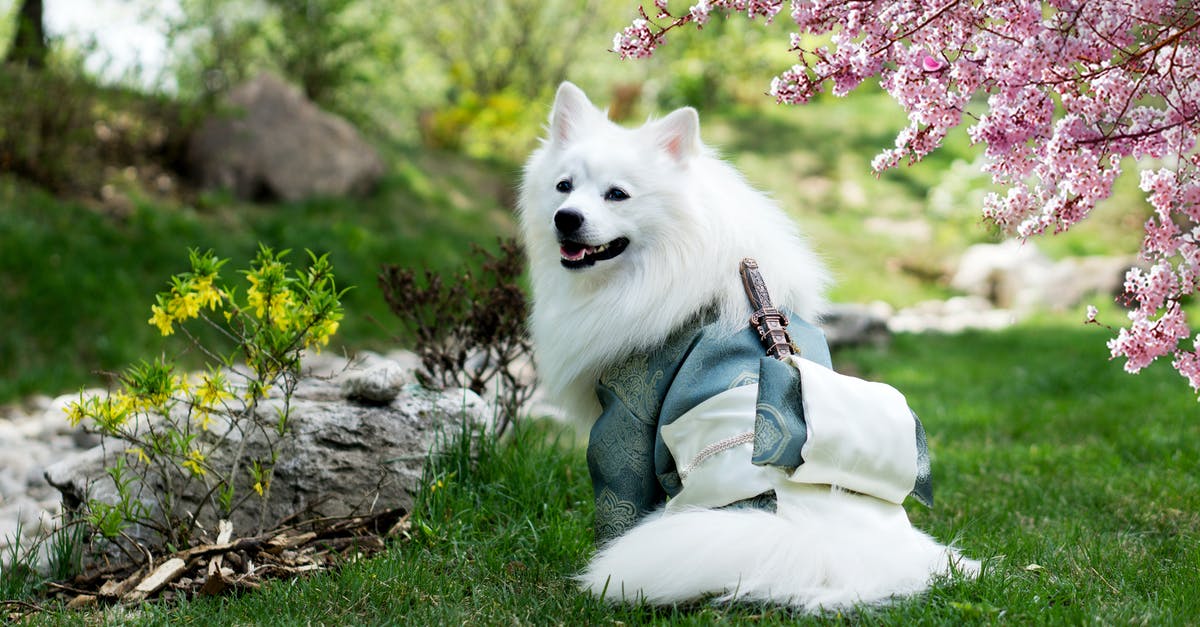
[861, 437]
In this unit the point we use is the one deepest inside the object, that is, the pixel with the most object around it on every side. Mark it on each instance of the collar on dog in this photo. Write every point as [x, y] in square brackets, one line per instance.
[769, 322]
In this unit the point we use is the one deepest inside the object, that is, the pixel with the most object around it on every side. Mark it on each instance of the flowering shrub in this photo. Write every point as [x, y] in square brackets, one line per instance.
[1071, 88]
[166, 418]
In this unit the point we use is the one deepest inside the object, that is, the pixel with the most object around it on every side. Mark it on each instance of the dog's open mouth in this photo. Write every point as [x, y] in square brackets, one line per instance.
[578, 255]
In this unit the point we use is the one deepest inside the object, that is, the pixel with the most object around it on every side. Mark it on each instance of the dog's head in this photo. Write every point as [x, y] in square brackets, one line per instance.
[631, 233]
[597, 195]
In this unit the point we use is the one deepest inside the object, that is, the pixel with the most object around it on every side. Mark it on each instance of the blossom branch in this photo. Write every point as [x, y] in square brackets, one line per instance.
[1072, 88]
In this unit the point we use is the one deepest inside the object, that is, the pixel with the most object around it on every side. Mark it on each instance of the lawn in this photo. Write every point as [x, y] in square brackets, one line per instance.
[1076, 482]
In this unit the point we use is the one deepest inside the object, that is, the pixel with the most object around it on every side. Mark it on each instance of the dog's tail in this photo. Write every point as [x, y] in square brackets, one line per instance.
[828, 554]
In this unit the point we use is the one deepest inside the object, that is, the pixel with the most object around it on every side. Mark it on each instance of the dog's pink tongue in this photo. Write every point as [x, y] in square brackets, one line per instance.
[574, 252]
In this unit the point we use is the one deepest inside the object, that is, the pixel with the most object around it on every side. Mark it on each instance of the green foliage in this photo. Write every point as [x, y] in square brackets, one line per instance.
[496, 125]
[17, 574]
[221, 43]
[162, 418]
[320, 42]
[45, 128]
[485, 62]
[524, 47]
[110, 520]
[61, 131]
[8, 25]
[20, 575]
[65, 552]
[331, 49]
[695, 73]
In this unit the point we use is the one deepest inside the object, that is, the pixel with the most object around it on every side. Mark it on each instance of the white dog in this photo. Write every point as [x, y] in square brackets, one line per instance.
[718, 471]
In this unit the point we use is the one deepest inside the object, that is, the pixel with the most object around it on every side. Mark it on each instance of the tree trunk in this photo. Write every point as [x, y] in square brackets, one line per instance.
[29, 46]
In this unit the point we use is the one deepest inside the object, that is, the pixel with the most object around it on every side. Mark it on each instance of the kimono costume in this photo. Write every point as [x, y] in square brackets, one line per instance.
[707, 420]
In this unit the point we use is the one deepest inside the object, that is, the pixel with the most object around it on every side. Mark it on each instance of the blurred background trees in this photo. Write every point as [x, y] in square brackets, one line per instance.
[458, 76]
[28, 47]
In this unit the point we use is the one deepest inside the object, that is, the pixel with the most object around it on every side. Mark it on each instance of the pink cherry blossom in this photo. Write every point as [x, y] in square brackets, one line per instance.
[930, 63]
[1057, 92]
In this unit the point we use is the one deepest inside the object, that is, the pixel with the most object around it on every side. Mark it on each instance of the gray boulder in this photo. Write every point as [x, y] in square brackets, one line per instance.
[1016, 275]
[344, 456]
[272, 143]
[953, 315]
[855, 324]
[1008, 274]
[1076, 278]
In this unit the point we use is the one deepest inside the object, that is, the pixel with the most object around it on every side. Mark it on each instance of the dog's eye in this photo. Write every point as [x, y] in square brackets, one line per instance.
[616, 194]
[564, 186]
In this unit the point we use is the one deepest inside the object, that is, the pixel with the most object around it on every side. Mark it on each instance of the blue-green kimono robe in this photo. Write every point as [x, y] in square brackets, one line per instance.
[633, 472]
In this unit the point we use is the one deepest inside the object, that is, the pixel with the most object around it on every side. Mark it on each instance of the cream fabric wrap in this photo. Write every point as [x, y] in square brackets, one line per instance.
[861, 437]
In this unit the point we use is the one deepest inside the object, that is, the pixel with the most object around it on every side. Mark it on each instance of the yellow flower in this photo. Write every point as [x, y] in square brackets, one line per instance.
[193, 461]
[212, 389]
[139, 453]
[258, 487]
[328, 328]
[206, 294]
[112, 412]
[125, 404]
[181, 384]
[319, 335]
[253, 393]
[75, 411]
[204, 417]
[280, 305]
[275, 303]
[161, 319]
[184, 306]
[254, 297]
[208, 394]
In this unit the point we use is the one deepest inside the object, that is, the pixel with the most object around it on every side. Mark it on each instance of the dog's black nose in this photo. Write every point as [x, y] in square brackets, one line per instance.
[568, 221]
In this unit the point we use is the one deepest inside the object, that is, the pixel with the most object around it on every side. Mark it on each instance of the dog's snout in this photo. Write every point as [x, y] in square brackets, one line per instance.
[568, 221]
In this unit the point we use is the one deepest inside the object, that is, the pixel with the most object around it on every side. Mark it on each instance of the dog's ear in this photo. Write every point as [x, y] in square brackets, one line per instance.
[678, 133]
[572, 112]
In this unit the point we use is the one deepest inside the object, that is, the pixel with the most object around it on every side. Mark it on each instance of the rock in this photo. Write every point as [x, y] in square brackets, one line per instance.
[379, 383]
[854, 324]
[341, 457]
[1008, 274]
[1075, 278]
[916, 230]
[951, 316]
[1017, 276]
[31, 518]
[408, 360]
[275, 144]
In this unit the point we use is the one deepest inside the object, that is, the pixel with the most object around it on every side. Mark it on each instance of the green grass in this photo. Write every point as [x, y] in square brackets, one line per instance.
[1076, 481]
[76, 283]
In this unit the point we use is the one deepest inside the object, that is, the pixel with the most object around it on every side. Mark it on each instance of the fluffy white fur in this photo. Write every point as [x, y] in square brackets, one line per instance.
[690, 218]
[832, 553]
